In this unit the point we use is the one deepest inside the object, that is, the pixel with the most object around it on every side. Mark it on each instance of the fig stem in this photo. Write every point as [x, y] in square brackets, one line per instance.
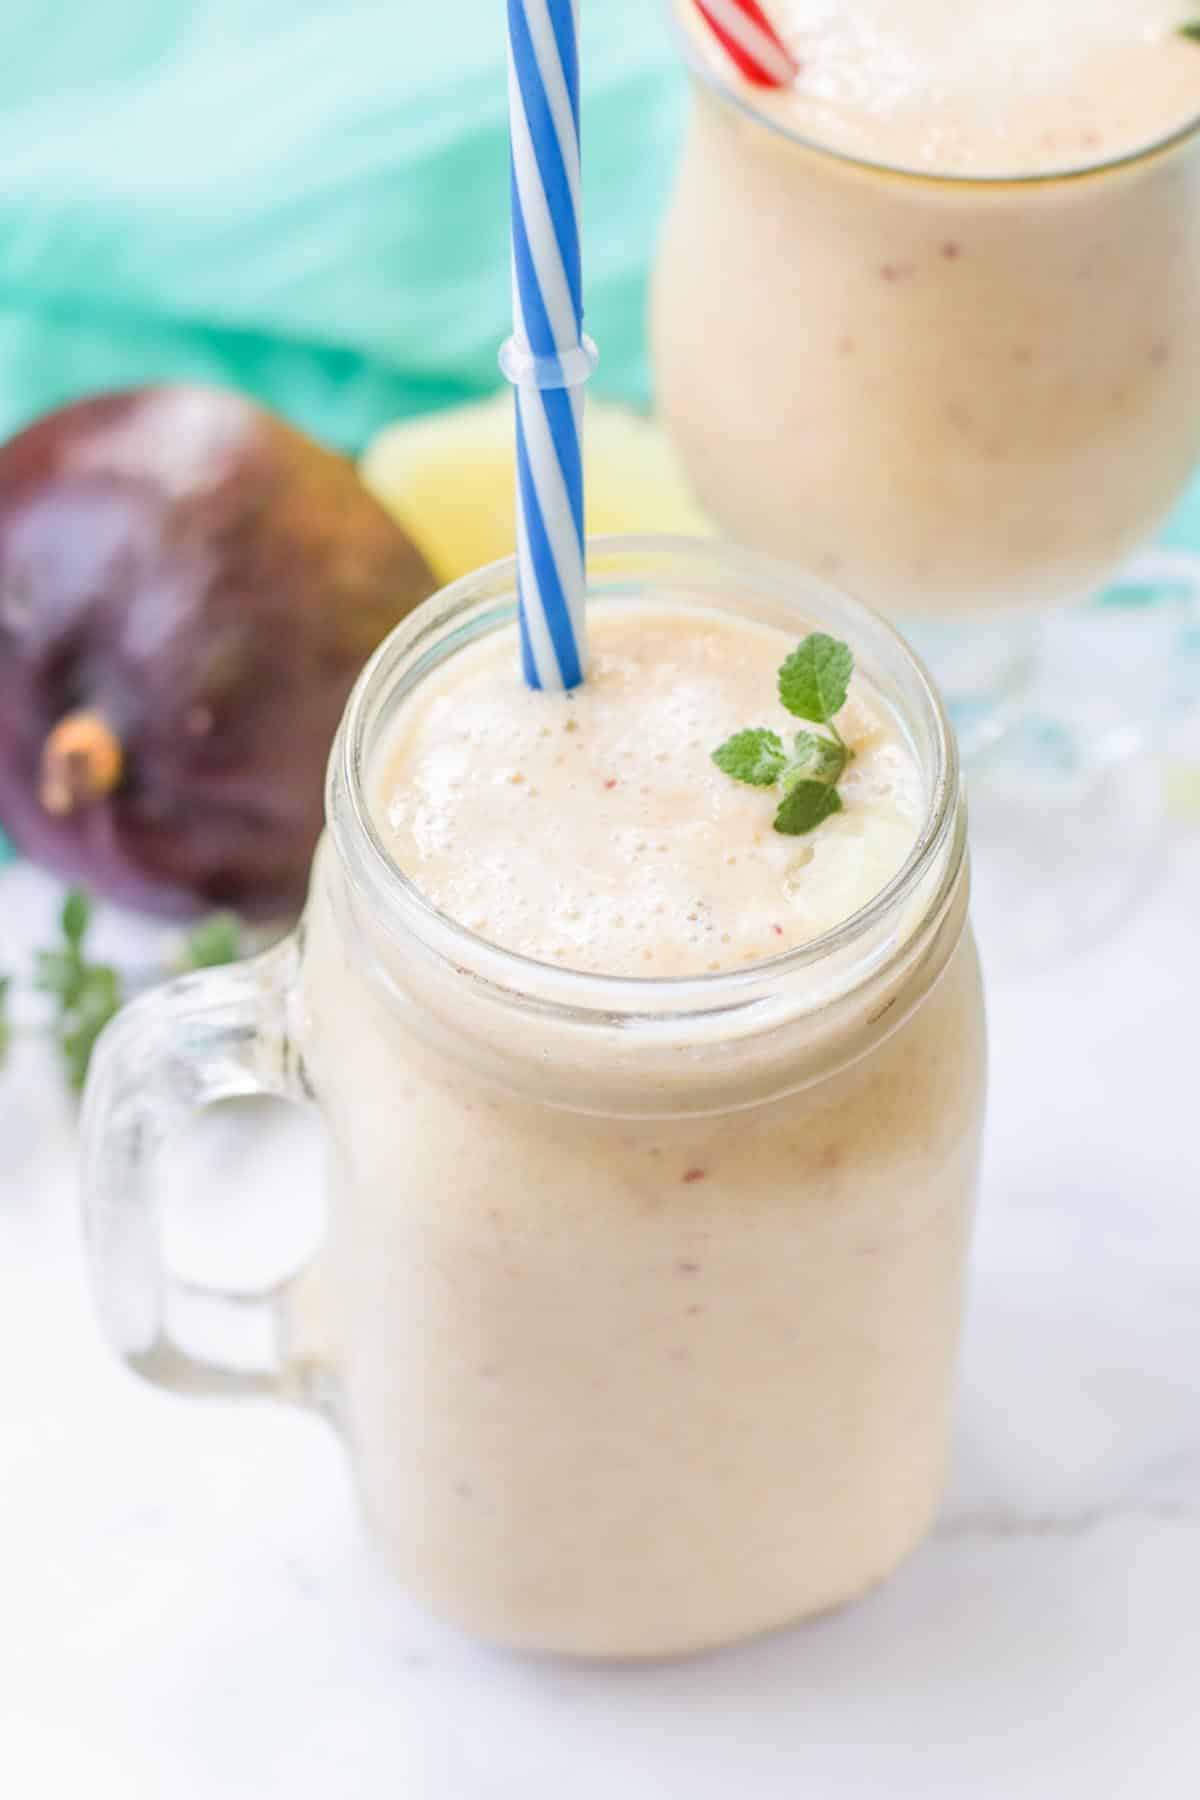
[82, 762]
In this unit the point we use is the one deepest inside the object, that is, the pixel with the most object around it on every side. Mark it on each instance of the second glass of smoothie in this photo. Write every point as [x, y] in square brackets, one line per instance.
[926, 321]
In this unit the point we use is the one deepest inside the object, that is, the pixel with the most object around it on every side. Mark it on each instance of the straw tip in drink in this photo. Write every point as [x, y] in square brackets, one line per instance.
[750, 41]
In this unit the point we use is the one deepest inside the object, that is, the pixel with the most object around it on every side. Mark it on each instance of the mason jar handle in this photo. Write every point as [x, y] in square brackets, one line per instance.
[221, 1034]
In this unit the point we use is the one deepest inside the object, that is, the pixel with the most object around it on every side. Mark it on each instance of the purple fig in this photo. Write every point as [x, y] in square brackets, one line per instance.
[188, 589]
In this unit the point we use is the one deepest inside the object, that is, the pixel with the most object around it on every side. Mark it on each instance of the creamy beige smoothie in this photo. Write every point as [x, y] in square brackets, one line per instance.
[642, 1297]
[596, 830]
[927, 318]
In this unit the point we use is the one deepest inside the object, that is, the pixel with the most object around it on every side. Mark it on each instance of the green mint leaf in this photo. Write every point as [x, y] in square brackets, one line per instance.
[806, 806]
[815, 680]
[1191, 30]
[214, 942]
[59, 972]
[76, 916]
[756, 757]
[814, 684]
[88, 994]
[815, 759]
[99, 998]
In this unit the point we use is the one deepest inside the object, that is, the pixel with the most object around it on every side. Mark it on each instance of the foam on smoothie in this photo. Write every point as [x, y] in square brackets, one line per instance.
[1017, 88]
[595, 831]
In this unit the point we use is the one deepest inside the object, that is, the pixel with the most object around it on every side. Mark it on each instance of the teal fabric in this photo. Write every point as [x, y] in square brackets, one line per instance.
[1184, 529]
[308, 199]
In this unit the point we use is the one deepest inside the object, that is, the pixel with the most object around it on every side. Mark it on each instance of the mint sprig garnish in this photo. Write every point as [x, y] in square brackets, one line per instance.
[814, 684]
[1191, 30]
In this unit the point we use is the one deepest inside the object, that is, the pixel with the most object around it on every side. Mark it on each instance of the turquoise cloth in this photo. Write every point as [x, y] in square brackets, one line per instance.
[1184, 528]
[307, 199]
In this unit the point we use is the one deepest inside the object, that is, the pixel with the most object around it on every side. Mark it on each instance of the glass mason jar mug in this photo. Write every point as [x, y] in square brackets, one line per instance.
[639, 1300]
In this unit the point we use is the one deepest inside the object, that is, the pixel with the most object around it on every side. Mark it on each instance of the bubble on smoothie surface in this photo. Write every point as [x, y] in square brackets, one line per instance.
[595, 832]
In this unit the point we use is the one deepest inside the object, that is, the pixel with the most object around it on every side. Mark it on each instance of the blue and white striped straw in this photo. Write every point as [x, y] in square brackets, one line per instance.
[548, 359]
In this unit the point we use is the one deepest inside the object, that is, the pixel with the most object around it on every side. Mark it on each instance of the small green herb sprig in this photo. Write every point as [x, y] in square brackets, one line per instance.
[814, 684]
[87, 994]
[1191, 30]
[212, 943]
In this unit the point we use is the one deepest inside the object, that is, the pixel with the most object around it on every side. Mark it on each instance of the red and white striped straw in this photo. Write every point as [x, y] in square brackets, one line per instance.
[751, 41]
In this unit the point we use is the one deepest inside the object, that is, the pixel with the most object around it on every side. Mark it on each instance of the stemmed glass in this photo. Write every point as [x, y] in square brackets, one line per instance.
[967, 399]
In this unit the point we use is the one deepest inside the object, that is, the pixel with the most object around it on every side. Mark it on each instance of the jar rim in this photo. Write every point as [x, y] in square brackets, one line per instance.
[704, 70]
[485, 601]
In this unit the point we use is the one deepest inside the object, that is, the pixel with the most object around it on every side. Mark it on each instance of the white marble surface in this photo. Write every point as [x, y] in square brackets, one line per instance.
[189, 1608]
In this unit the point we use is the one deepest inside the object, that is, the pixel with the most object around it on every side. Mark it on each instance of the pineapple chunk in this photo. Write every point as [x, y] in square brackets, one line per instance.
[448, 479]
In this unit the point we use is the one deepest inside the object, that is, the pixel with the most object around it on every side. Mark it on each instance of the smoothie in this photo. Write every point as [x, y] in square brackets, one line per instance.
[926, 320]
[642, 1296]
[602, 836]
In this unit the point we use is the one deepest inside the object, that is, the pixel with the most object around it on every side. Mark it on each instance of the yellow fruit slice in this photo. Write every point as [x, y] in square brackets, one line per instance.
[448, 480]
